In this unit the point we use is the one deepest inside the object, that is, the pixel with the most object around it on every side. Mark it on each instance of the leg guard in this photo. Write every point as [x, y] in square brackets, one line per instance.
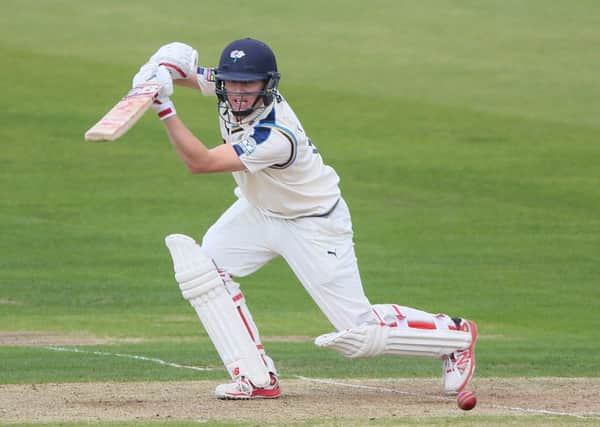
[240, 303]
[426, 335]
[202, 286]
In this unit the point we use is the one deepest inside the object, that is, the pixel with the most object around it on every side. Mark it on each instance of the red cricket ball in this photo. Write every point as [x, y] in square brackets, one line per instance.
[466, 400]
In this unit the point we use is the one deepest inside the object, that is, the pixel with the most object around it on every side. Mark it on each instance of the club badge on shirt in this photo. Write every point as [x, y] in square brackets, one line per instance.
[247, 145]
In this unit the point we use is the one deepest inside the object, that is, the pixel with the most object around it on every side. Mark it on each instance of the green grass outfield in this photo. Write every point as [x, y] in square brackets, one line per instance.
[466, 134]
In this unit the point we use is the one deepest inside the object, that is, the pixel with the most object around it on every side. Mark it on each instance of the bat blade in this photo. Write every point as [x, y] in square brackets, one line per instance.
[124, 114]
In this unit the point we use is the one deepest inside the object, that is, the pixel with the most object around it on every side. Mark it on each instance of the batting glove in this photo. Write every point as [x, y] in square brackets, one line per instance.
[164, 107]
[153, 73]
[178, 58]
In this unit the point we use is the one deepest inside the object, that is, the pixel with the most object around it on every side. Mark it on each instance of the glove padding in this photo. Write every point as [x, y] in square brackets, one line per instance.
[179, 58]
[153, 73]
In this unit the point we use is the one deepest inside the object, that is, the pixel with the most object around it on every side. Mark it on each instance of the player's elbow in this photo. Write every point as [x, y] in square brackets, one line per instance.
[213, 162]
[196, 168]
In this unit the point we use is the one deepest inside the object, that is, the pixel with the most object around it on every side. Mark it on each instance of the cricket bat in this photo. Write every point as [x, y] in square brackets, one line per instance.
[124, 114]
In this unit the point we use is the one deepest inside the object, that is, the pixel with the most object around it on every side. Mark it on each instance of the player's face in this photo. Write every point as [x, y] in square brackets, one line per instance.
[242, 95]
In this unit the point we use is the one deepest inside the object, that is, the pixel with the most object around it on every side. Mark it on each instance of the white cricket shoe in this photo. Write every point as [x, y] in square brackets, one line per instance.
[242, 388]
[458, 367]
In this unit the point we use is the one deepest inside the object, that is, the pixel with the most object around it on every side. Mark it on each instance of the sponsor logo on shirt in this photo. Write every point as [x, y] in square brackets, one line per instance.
[247, 145]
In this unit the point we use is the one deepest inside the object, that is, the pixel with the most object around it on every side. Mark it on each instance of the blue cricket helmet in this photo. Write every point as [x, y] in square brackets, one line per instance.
[247, 60]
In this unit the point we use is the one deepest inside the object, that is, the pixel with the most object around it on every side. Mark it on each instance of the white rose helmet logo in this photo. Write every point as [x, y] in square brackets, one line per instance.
[237, 54]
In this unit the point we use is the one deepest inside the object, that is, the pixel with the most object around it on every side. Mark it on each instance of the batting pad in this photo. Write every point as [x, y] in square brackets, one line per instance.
[201, 285]
[373, 340]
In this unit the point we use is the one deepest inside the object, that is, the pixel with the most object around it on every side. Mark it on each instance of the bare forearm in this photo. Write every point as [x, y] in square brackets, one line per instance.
[190, 149]
[191, 82]
[196, 156]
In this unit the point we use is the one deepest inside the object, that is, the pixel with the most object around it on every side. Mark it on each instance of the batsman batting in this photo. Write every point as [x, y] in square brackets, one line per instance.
[289, 205]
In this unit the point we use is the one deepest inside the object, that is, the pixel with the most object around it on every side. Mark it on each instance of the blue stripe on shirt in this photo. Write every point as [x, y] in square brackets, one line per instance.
[261, 134]
[238, 149]
[270, 117]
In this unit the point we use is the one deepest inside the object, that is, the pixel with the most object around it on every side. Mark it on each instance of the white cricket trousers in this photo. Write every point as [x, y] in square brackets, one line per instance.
[319, 250]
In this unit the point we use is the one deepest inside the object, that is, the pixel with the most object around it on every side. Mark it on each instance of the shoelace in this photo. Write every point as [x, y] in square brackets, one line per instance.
[244, 385]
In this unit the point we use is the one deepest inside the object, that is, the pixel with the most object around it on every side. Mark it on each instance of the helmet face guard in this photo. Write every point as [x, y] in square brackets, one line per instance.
[264, 97]
[247, 60]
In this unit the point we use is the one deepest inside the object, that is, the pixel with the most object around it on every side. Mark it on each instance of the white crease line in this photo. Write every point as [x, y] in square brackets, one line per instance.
[132, 356]
[322, 381]
[545, 412]
[368, 387]
[406, 393]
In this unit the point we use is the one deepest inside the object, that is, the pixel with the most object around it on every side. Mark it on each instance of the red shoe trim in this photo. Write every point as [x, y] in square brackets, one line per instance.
[236, 394]
[471, 350]
[266, 393]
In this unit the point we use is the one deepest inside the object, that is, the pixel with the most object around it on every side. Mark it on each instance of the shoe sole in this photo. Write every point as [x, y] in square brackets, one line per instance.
[246, 397]
[256, 396]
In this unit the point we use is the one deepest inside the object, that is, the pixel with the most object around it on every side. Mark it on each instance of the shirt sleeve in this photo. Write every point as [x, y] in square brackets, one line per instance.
[266, 147]
[206, 81]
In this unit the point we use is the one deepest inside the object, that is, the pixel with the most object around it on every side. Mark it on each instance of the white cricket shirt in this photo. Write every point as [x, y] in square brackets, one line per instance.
[285, 175]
